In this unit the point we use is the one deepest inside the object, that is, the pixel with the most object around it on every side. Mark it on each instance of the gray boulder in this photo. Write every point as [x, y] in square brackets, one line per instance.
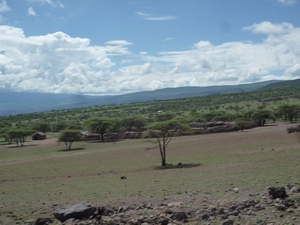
[78, 212]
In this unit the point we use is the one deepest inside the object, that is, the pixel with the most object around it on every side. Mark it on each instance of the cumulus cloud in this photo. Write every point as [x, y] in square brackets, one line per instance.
[293, 71]
[60, 63]
[267, 27]
[31, 12]
[56, 62]
[287, 2]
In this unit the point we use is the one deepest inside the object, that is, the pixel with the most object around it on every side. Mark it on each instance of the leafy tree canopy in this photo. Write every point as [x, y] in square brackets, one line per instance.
[99, 125]
[68, 137]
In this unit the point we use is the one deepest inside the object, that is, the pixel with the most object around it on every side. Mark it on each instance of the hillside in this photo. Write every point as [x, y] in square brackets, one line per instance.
[282, 84]
[12, 103]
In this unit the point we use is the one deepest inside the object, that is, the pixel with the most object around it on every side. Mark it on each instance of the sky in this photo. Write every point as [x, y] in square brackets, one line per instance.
[111, 47]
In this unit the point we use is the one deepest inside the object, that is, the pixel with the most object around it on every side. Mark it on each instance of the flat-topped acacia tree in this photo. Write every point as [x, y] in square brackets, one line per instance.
[99, 125]
[19, 135]
[163, 132]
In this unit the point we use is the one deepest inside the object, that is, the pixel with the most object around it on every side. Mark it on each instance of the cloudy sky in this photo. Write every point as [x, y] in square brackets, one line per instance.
[121, 46]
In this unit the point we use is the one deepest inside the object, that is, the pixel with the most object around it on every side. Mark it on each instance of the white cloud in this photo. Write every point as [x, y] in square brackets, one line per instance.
[147, 16]
[118, 42]
[31, 12]
[267, 27]
[287, 2]
[293, 71]
[50, 2]
[3, 6]
[161, 18]
[168, 39]
[58, 62]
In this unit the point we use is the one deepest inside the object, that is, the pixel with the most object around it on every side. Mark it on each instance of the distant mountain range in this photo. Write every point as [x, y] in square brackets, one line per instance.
[26, 102]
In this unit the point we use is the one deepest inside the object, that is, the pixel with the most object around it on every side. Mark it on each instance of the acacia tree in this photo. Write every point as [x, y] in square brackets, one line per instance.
[290, 112]
[19, 135]
[260, 116]
[99, 125]
[68, 137]
[163, 132]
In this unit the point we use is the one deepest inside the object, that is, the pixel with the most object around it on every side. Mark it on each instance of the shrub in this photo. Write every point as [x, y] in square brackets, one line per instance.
[293, 129]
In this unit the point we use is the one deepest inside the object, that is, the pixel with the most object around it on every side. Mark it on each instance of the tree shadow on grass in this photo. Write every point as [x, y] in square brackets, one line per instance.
[178, 166]
[71, 150]
[115, 141]
[15, 146]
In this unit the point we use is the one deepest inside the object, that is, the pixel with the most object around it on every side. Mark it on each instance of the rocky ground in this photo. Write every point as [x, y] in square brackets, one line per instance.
[274, 207]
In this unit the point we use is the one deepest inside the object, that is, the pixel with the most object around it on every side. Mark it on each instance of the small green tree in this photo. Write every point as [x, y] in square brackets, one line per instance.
[68, 137]
[163, 132]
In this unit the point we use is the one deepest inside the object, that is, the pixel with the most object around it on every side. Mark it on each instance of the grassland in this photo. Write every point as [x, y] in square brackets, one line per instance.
[41, 176]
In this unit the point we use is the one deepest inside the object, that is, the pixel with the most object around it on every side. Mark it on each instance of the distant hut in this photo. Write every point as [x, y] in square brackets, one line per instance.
[39, 136]
[90, 136]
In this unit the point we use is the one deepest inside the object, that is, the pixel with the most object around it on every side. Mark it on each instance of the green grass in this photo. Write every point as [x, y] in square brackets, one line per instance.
[37, 178]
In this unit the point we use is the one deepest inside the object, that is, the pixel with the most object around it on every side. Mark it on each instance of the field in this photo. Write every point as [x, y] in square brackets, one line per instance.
[40, 177]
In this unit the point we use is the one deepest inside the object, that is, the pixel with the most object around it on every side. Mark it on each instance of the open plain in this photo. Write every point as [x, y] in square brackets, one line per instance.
[41, 177]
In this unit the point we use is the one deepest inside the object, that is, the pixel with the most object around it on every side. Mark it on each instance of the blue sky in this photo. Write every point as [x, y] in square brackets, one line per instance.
[121, 46]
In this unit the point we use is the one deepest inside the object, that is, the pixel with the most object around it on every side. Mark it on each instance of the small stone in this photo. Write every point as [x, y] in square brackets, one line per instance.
[179, 216]
[280, 207]
[228, 222]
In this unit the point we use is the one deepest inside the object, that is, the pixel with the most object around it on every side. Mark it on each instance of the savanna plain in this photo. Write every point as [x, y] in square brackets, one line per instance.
[42, 176]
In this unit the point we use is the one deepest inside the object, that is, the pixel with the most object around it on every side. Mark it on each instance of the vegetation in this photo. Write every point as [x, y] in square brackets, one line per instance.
[38, 179]
[99, 125]
[202, 109]
[163, 131]
[221, 160]
[17, 135]
[68, 137]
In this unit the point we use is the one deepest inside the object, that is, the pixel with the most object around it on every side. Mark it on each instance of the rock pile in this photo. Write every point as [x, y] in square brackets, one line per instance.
[271, 208]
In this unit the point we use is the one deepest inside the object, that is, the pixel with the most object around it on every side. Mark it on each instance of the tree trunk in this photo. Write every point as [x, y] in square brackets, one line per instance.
[163, 157]
[163, 162]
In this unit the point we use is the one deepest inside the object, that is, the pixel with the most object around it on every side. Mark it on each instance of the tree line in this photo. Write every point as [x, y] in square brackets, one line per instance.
[161, 128]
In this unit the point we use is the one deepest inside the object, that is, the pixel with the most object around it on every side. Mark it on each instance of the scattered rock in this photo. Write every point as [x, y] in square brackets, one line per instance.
[294, 189]
[235, 190]
[228, 222]
[79, 211]
[179, 216]
[225, 212]
[280, 207]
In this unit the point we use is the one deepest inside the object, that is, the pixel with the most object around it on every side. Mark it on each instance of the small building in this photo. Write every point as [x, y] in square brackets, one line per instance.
[39, 136]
